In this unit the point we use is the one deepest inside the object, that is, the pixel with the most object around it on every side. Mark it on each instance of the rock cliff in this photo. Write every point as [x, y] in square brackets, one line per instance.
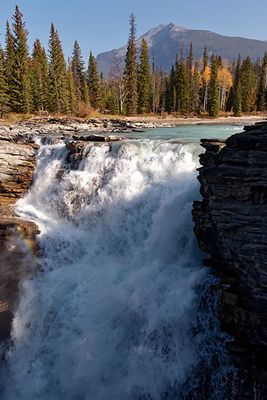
[17, 237]
[230, 225]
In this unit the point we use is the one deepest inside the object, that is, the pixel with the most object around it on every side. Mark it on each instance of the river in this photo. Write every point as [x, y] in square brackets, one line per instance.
[122, 307]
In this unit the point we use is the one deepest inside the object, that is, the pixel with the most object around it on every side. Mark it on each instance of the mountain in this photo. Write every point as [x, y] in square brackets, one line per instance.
[164, 41]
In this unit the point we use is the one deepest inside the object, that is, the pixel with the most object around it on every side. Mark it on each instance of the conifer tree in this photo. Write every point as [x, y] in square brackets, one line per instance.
[237, 90]
[79, 75]
[230, 100]
[214, 95]
[103, 93]
[247, 81]
[205, 58]
[183, 85]
[262, 87]
[205, 79]
[117, 81]
[72, 92]
[93, 83]
[176, 85]
[130, 71]
[20, 89]
[58, 82]
[144, 80]
[190, 61]
[171, 94]
[196, 86]
[85, 89]
[112, 103]
[9, 63]
[4, 97]
[40, 85]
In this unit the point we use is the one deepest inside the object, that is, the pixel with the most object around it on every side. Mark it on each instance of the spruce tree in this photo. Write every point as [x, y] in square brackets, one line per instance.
[196, 88]
[214, 94]
[20, 89]
[183, 85]
[262, 92]
[94, 83]
[176, 85]
[205, 79]
[171, 94]
[205, 58]
[103, 93]
[85, 89]
[116, 78]
[58, 82]
[230, 100]
[40, 85]
[79, 75]
[4, 97]
[144, 80]
[72, 92]
[112, 104]
[9, 63]
[130, 71]
[237, 90]
[190, 61]
[247, 81]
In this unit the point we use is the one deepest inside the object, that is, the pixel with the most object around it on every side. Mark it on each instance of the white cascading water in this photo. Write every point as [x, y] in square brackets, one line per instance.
[114, 313]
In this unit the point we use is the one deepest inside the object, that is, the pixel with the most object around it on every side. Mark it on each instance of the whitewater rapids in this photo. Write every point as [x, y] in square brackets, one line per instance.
[116, 313]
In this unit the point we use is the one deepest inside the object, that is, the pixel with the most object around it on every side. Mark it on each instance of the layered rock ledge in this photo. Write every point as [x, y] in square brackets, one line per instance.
[230, 225]
[17, 236]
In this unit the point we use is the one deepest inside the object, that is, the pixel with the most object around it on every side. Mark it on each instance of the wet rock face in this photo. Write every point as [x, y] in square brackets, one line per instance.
[17, 162]
[17, 261]
[17, 237]
[231, 226]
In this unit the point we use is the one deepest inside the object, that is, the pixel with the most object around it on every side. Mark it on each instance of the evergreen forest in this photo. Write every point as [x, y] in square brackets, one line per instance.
[44, 81]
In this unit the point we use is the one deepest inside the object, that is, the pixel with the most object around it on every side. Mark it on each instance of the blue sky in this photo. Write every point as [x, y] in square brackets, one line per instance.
[103, 24]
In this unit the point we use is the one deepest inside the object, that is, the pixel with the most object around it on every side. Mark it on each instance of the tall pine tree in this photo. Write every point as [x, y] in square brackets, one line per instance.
[237, 90]
[130, 71]
[79, 75]
[190, 62]
[247, 81]
[20, 89]
[58, 82]
[9, 64]
[262, 87]
[144, 80]
[214, 94]
[40, 85]
[94, 83]
[4, 97]
[183, 85]
[205, 80]
[72, 92]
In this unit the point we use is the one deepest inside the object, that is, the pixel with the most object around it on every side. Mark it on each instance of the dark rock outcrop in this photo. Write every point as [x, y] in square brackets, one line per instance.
[17, 236]
[230, 225]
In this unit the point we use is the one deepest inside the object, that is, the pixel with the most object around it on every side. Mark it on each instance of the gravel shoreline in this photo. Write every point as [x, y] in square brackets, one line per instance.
[58, 126]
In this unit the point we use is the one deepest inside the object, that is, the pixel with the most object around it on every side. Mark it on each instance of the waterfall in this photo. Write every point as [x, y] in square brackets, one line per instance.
[116, 311]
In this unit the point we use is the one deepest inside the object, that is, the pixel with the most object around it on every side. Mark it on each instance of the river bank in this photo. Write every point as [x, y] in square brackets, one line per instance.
[65, 125]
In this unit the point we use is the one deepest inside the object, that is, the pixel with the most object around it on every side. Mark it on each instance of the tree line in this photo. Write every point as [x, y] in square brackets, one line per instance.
[45, 81]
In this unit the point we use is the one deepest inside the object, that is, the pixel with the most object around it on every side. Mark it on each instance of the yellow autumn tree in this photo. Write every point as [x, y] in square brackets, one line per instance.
[225, 81]
[206, 74]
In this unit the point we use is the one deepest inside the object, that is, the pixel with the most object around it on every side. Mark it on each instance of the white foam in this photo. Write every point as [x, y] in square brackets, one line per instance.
[111, 315]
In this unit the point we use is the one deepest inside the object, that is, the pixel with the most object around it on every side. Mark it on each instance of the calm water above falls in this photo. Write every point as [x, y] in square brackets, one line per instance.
[122, 309]
[190, 133]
